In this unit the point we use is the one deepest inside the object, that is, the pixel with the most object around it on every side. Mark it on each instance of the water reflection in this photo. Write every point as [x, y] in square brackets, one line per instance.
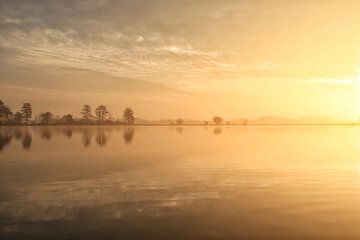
[20, 134]
[27, 140]
[179, 129]
[5, 140]
[46, 133]
[24, 134]
[68, 132]
[128, 134]
[253, 183]
[217, 130]
[102, 137]
[87, 137]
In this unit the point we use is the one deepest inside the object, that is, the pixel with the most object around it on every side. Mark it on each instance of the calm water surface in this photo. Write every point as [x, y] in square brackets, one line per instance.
[180, 183]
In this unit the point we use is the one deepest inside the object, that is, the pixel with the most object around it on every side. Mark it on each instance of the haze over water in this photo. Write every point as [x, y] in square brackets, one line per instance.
[274, 182]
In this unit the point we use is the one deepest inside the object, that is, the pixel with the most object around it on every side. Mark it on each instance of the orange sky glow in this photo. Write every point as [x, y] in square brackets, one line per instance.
[191, 59]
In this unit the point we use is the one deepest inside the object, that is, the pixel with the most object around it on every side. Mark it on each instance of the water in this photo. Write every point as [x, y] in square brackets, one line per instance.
[180, 183]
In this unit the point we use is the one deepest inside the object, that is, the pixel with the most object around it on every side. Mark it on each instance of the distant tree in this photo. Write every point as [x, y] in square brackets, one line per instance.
[46, 117]
[67, 119]
[5, 113]
[26, 111]
[128, 116]
[18, 118]
[217, 120]
[87, 112]
[206, 122]
[179, 121]
[101, 113]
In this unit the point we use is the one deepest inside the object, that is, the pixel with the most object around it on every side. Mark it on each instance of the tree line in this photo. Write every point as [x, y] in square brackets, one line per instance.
[24, 116]
[100, 115]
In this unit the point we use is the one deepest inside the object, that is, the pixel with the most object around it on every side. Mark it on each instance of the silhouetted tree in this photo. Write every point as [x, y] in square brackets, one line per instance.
[18, 118]
[206, 122]
[87, 113]
[217, 120]
[5, 113]
[46, 117]
[101, 113]
[26, 111]
[179, 121]
[129, 135]
[128, 116]
[67, 119]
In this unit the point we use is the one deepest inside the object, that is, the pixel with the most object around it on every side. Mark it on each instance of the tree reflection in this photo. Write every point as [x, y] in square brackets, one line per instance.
[5, 140]
[87, 137]
[179, 129]
[68, 132]
[101, 138]
[217, 130]
[27, 140]
[46, 133]
[18, 134]
[129, 135]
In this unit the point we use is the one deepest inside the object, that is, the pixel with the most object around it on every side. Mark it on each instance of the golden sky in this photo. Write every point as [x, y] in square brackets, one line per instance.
[188, 58]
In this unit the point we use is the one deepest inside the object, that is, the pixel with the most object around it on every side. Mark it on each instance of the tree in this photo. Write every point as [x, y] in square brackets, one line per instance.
[67, 119]
[101, 113]
[26, 111]
[18, 118]
[217, 120]
[179, 121]
[87, 112]
[46, 117]
[128, 116]
[5, 113]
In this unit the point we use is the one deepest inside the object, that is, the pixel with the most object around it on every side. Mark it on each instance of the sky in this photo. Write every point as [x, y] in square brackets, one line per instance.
[190, 58]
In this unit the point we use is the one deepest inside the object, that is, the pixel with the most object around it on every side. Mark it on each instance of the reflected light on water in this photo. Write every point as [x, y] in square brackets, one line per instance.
[194, 183]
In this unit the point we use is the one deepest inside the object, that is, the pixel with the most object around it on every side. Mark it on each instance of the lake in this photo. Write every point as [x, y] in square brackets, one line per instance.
[245, 182]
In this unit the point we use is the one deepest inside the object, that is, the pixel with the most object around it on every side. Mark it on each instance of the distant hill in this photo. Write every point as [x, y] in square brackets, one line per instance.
[245, 121]
[283, 120]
